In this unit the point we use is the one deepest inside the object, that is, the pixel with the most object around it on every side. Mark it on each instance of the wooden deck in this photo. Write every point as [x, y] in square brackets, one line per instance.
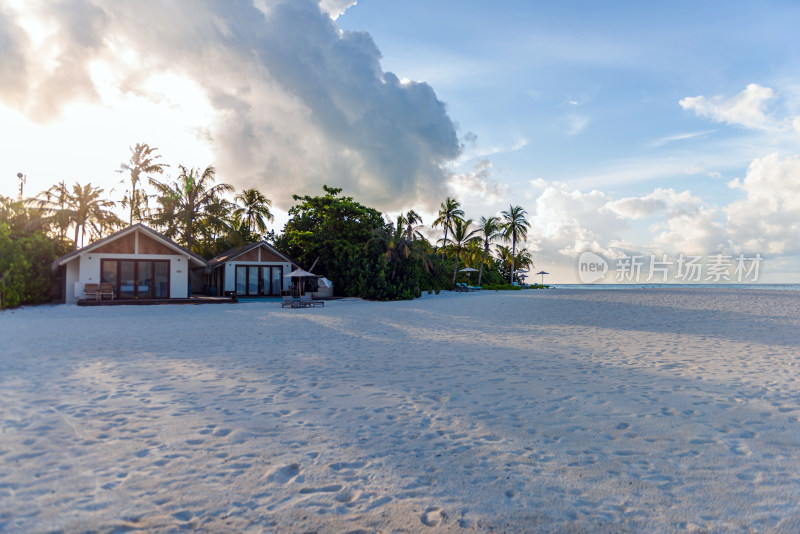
[198, 299]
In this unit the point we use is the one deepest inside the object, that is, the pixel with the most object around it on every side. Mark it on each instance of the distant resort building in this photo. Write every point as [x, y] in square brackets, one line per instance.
[138, 262]
[253, 270]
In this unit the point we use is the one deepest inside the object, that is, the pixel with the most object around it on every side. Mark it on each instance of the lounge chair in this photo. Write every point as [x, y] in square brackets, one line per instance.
[474, 288]
[91, 292]
[306, 301]
[106, 290]
[289, 301]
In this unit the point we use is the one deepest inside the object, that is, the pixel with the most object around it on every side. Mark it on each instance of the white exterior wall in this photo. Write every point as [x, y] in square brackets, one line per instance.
[230, 272]
[85, 269]
[71, 274]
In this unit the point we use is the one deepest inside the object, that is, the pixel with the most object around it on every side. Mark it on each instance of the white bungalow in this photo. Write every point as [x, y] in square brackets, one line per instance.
[257, 269]
[139, 262]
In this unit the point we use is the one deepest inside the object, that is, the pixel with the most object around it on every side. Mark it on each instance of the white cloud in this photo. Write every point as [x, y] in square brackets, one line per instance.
[336, 7]
[748, 108]
[679, 137]
[477, 184]
[472, 151]
[567, 221]
[767, 219]
[652, 203]
[295, 101]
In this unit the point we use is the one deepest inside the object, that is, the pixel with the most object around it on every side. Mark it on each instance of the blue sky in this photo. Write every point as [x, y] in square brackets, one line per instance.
[594, 91]
[589, 94]
[623, 128]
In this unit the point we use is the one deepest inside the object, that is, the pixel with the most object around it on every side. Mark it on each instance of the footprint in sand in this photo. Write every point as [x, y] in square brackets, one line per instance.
[326, 489]
[433, 516]
[183, 516]
[348, 495]
[285, 474]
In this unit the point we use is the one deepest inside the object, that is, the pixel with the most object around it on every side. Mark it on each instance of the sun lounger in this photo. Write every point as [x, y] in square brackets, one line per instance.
[107, 290]
[306, 301]
[91, 292]
[289, 301]
[461, 286]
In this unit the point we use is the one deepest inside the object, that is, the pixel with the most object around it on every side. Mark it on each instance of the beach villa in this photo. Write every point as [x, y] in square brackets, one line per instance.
[257, 269]
[138, 263]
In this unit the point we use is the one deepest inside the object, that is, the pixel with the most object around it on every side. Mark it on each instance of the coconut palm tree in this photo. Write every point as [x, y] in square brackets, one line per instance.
[142, 162]
[52, 207]
[489, 229]
[522, 259]
[411, 224]
[449, 210]
[83, 209]
[514, 226]
[253, 210]
[189, 203]
[460, 235]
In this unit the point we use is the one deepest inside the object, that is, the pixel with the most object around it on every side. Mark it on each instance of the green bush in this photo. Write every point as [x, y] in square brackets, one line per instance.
[25, 275]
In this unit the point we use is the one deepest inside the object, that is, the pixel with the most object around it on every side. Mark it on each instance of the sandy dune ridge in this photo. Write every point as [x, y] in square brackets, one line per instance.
[553, 411]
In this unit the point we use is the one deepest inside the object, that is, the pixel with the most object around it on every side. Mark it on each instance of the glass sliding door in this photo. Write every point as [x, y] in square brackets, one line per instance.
[127, 279]
[241, 280]
[161, 279]
[264, 280]
[277, 280]
[258, 280]
[144, 285]
[137, 279]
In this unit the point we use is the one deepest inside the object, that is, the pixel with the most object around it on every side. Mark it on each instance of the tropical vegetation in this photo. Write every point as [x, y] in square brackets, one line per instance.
[364, 252]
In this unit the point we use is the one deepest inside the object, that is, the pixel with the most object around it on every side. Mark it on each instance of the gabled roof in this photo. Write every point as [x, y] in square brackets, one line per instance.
[66, 258]
[234, 252]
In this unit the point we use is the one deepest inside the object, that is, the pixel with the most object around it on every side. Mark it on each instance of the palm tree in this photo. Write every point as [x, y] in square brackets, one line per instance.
[404, 240]
[490, 230]
[411, 224]
[254, 209]
[142, 162]
[52, 205]
[514, 226]
[523, 258]
[460, 235]
[82, 208]
[189, 203]
[450, 209]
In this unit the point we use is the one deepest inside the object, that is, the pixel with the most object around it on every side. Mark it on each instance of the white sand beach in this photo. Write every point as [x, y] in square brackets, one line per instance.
[550, 411]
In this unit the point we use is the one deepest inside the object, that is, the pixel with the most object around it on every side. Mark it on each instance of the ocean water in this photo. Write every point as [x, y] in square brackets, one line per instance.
[601, 287]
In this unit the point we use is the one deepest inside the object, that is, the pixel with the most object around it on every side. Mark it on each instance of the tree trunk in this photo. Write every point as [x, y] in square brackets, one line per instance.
[133, 200]
[513, 254]
[455, 267]
[444, 244]
[480, 273]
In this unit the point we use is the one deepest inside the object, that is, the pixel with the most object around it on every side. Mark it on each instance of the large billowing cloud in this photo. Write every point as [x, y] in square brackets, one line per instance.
[297, 102]
[767, 219]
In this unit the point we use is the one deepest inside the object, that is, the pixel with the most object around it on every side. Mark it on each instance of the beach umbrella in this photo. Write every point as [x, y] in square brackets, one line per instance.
[300, 273]
[468, 270]
[542, 273]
